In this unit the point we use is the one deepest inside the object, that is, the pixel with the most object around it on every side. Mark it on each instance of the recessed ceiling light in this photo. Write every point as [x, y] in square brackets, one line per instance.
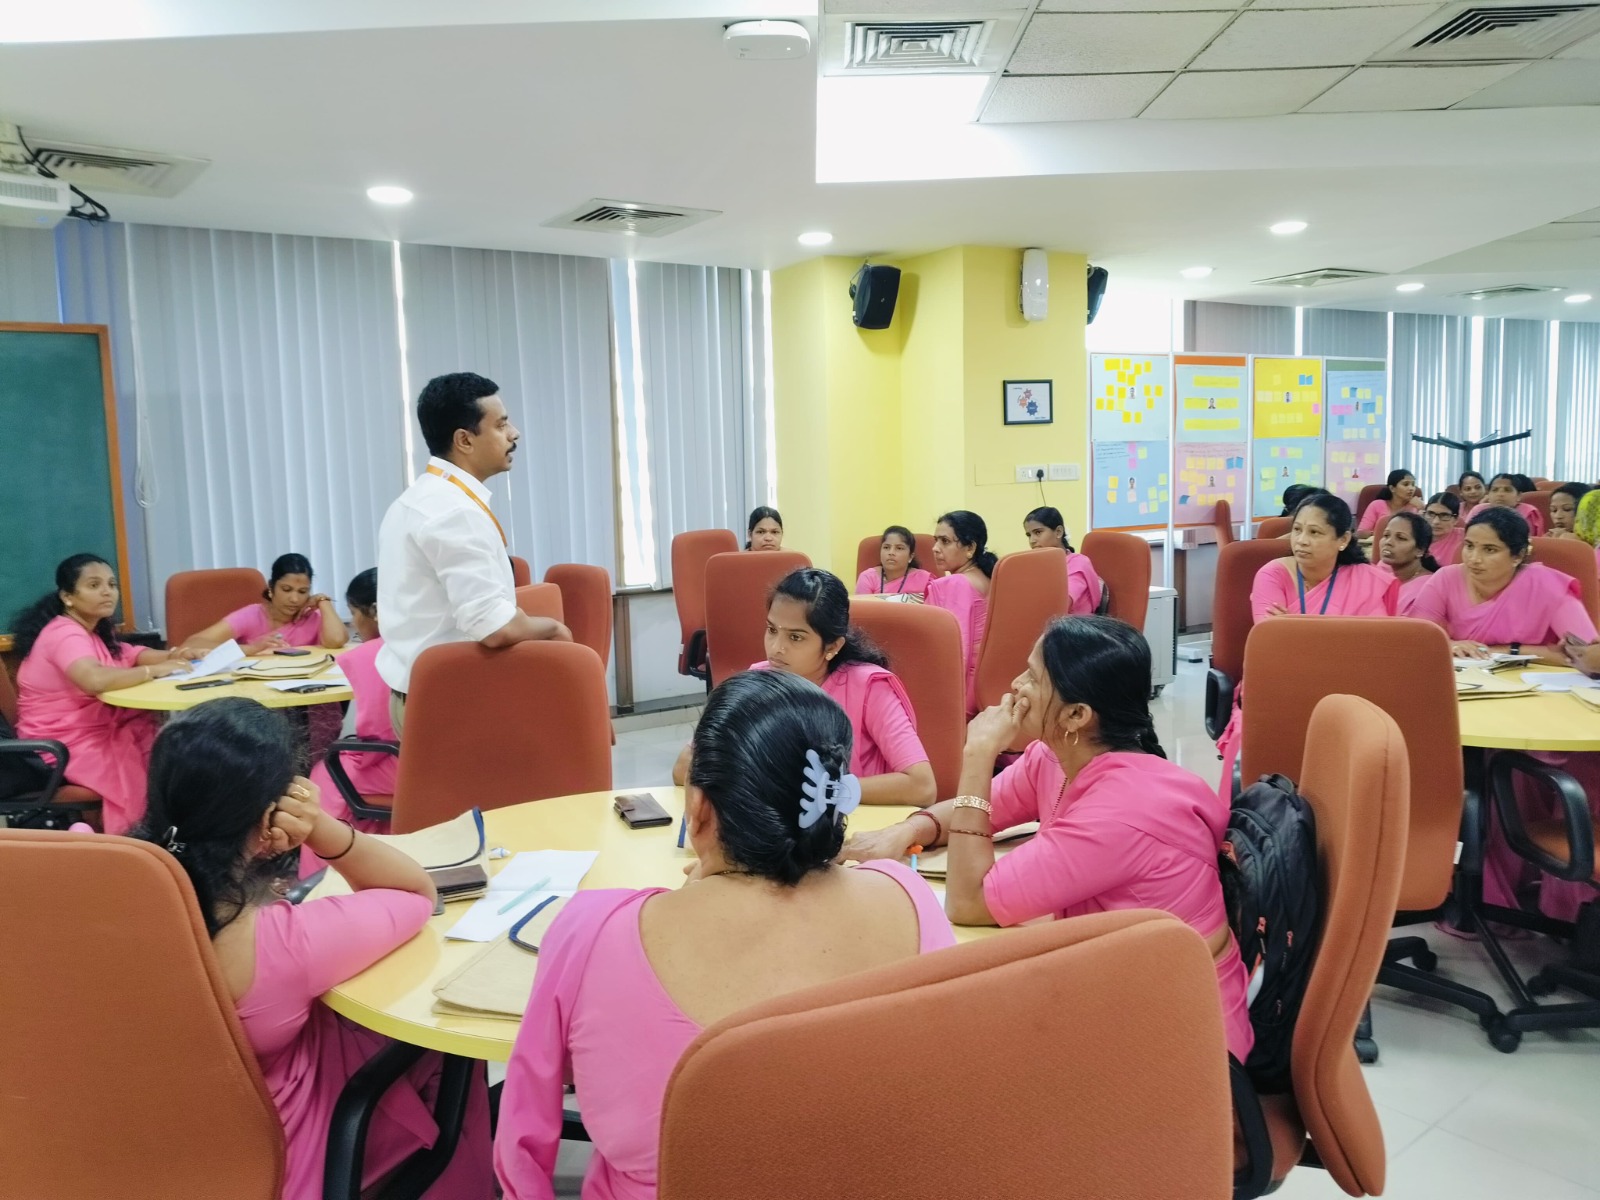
[1283, 228]
[1409, 287]
[816, 237]
[1578, 298]
[1195, 272]
[388, 193]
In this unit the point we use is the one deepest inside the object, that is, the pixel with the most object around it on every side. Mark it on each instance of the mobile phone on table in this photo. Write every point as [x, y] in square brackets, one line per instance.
[641, 810]
[203, 683]
[296, 652]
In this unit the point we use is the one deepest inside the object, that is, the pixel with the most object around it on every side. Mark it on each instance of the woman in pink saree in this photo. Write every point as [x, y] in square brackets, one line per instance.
[288, 615]
[1325, 575]
[1443, 515]
[898, 573]
[961, 549]
[1497, 602]
[1045, 528]
[1504, 493]
[1398, 495]
[1404, 552]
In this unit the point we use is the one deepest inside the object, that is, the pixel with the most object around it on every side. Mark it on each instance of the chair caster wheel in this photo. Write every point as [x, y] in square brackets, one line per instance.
[1541, 985]
[1366, 1050]
[1425, 960]
[1502, 1037]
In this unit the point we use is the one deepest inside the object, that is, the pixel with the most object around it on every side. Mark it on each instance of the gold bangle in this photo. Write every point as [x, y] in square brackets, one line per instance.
[977, 802]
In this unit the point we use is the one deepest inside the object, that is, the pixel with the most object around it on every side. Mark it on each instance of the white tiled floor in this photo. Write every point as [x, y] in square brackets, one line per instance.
[1462, 1121]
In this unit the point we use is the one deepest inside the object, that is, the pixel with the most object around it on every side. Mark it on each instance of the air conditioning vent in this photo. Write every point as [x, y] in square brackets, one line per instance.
[877, 45]
[624, 216]
[1496, 32]
[108, 169]
[1317, 278]
[1510, 289]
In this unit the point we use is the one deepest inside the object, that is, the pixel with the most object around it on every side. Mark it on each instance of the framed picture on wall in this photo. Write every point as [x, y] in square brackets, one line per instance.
[1027, 402]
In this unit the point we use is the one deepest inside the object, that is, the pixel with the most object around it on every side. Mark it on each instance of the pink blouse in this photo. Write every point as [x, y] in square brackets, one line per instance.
[1357, 590]
[599, 1018]
[1381, 510]
[1410, 589]
[1538, 607]
[1130, 831]
[250, 623]
[881, 717]
[913, 583]
[1084, 586]
[1447, 549]
[956, 595]
[1530, 514]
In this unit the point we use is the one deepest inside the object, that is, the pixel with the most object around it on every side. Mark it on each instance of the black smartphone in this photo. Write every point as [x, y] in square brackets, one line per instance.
[203, 683]
[294, 653]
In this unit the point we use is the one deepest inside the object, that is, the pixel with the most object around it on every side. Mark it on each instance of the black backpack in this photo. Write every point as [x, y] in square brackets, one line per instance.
[1271, 885]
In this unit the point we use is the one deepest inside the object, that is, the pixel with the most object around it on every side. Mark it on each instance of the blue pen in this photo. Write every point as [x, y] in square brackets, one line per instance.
[534, 890]
[913, 862]
[683, 829]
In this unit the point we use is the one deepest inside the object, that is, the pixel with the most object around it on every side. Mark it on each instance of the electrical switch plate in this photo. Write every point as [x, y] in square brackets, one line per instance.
[1030, 472]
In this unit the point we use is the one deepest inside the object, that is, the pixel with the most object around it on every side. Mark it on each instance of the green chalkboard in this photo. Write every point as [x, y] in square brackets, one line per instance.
[60, 486]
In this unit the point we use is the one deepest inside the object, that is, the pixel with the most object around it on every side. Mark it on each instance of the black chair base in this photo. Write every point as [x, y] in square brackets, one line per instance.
[1419, 978]
[1581, 975]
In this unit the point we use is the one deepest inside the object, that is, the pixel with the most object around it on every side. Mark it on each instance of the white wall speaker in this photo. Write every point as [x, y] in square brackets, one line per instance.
[1035, 285]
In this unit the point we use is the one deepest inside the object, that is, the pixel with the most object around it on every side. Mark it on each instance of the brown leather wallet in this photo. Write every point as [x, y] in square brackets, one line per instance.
[641, 810]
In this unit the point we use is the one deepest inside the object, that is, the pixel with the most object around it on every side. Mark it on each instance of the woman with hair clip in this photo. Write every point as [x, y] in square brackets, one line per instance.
[898, 572]
[961, 550]
[226, 803]
[628, 979]
[1403, 552]
[1443, 514]
[288, 615]
[68, 655]
[764, 529]
[1505, 491]
[1399, 494]
[1119, 825]
[1045, 528]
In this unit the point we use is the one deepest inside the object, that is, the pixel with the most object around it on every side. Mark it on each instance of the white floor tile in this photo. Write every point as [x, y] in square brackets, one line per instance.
[1441, 1166]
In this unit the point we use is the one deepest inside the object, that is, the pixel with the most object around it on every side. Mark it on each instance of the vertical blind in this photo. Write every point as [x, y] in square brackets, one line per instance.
[1516, 394]
[1346, 333]
[1578, 402]
[1211, 327]
[268, 367]
[28, 275]
[1430, 376]
[539, 325]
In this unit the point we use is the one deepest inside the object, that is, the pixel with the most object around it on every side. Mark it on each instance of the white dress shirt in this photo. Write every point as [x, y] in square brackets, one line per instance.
[444, 574]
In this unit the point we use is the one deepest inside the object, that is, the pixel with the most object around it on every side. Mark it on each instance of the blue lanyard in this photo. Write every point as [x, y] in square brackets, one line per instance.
[1301, 580]
[883, 581]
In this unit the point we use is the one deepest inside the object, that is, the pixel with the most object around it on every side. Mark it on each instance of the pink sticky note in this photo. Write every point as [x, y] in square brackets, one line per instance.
[1316, 410]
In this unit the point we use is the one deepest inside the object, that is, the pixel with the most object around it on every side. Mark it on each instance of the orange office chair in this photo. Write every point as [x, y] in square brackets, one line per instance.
[1146, 1116]
[1355, 776]
[127, 1072]
[1403, 666]
[521, 572]
[1237, 565]
[1542, 484]
[925, 555]
[868, 555]
[1027, 591]
[49, 785]
[737, 586]
[1454, 489]
[690, 553]
[924, 649]
[1123, 562]
[1222, 522]
[586, 599]
[1575, 558]
[488, 728]
[1368, 494]
[197, 600]
[541, 600]
[1540, 501]
[1274, 527]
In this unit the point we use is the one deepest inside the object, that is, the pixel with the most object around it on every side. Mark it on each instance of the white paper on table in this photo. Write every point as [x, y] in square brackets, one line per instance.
[332, 675]
[554, 872]
[1547, 681]
[224, 658]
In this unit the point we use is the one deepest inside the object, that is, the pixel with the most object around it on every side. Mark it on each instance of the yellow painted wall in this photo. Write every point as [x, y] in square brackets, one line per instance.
[932, 395]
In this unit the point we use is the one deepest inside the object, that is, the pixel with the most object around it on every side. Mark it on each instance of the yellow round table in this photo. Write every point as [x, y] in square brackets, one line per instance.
[395, 996]
[1544, 721]
[162, 695]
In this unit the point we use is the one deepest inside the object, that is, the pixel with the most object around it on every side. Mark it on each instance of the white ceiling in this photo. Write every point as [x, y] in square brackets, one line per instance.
[501, 120]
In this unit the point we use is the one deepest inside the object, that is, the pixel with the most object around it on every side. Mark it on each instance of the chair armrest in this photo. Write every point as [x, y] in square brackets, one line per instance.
[1253, 1176]
[37, 746]
[1574, 806]
[695, 662]
[1219, 702]
[341, 778]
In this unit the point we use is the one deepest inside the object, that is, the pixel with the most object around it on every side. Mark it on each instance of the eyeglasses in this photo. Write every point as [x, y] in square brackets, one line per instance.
[1439, 516]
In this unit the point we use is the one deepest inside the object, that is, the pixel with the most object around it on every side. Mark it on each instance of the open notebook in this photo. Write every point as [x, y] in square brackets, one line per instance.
[931, 864]
[497, 982]
[456, 843]
[284, 668]
[1477, 684]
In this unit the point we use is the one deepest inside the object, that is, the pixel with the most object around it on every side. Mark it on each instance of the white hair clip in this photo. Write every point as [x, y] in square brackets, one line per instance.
[819, 791]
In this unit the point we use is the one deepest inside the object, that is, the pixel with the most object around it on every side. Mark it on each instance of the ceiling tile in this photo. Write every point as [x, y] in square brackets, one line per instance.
[1112, 43]
[920, 8]
[1393, 89]
[1563, 231]
[1548, 84]
[1312, 37]
[1144, 6]
[1242, 93]
[1071, 97]
[1584, 49]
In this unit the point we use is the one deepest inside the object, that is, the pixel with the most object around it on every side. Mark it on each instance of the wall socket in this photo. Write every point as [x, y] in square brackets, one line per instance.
[1031, 472]
[1065, 471]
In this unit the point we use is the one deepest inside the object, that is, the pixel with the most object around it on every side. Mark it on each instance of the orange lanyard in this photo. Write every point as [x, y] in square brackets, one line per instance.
[473, 496]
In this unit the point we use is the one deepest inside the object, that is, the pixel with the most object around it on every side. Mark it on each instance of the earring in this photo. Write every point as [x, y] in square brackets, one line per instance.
[1074, 737]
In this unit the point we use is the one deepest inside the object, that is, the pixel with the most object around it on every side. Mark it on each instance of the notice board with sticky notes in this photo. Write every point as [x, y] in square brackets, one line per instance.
[1287, 446]
[1355, 446]
[1130, 434]
[1211, 396]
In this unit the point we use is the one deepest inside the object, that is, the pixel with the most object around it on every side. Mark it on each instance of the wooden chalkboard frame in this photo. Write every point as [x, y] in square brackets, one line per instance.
[108, 387]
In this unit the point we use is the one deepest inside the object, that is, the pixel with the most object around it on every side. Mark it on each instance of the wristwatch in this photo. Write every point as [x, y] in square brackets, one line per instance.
[1516, 647]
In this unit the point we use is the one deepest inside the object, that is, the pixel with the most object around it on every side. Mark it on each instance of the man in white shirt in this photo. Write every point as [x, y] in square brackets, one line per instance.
[444, 571]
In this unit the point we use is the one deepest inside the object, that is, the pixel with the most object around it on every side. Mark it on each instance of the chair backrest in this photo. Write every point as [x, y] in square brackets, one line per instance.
[489, 728]
[1027, 591]
[586, 600]
[1454, 489]
[924, 648]
[1123, 562]
[1237, 565]
[1369, 493]
[1401, 665]
[541, 600]
[1274, 527]
[521, 572]
[126, 1070]
[1575, 558]
[1222, 521]
[737, 585]
[690, 553]
[1540, 501]
[1356, 778]
[8, 697]
[1146, 1115]
[1545, 485]
[867, 554]
[199, 599]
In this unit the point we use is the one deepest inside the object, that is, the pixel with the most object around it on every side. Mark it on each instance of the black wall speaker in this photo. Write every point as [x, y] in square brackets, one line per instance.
[1098, 277]
[874, 290]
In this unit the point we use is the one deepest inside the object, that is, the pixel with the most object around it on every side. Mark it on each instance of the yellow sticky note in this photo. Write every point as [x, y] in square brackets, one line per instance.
[1371, 420]
[1099, 403]
[1138, 419]
[1364, 394]
[1344, 393]
[1122, 377]
[1160, 389]
[1112, 482]
[1122, 393]
[1162, 480]
[1127, 418]
[1147, 389]
[1152, 492]
[1163, 495]
[1144, 452]
[1149, 403]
